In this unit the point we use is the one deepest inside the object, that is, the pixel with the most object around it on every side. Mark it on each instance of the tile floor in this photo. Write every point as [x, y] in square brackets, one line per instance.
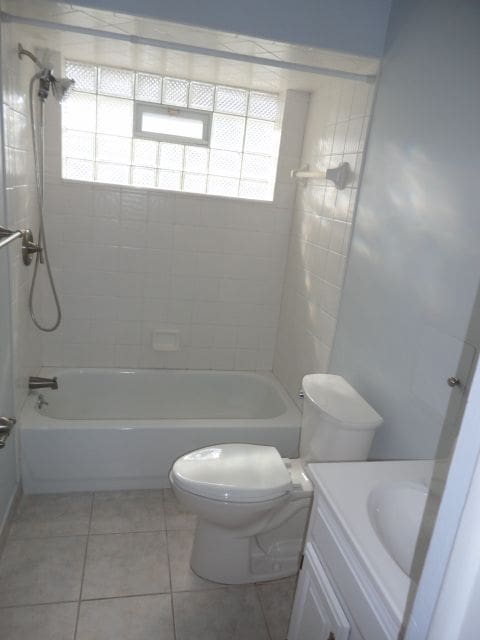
[115, 566]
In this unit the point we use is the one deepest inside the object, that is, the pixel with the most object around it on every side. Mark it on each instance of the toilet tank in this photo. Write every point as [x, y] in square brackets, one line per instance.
[337, 423]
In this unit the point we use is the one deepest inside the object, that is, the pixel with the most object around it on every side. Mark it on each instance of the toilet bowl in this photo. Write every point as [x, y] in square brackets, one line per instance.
[252, 505]
[243, 494]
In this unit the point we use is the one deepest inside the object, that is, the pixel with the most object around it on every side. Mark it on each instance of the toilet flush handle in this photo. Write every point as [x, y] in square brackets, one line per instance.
[301, 394]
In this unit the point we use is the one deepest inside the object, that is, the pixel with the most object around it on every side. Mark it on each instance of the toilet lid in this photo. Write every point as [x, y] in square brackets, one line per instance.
[233, 472]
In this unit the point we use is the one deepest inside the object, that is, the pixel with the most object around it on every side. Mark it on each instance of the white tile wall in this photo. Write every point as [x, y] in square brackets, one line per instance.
[131, 261]
[21, 206]
[335, 132]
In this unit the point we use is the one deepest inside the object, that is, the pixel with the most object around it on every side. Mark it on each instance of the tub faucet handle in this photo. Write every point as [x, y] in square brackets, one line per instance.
[6, 425]
[41, 402]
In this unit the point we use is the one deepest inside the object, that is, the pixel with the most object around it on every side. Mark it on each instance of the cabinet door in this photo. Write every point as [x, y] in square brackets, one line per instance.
[317, 613]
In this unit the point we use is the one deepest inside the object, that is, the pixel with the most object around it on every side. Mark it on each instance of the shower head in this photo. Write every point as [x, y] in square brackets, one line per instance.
[61, 87]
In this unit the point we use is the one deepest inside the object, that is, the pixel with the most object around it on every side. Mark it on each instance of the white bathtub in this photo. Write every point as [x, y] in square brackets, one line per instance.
[113, 429]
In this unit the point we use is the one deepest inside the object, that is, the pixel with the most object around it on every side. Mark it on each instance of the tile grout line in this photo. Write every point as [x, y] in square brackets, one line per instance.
[95, 533]
[169, 569]
[130, 595]
[35, 604]
[264, 615]
[143, 594]
[83, 568]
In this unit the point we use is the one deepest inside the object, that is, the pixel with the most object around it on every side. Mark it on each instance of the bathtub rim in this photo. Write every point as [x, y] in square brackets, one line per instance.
[30, 418]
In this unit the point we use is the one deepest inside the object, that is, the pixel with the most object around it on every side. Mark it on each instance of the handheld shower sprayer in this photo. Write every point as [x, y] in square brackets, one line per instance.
[61, 88]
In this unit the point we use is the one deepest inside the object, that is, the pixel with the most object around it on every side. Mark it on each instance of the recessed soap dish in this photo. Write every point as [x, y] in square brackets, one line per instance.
[166, 340]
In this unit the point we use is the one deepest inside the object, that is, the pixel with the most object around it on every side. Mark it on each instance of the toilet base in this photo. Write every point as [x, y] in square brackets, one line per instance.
[218, 555]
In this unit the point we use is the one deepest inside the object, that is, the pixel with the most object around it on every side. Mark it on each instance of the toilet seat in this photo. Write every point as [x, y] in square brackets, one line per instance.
[233, 472]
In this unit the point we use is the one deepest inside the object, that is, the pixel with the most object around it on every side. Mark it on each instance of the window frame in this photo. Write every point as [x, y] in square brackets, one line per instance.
[140, 107]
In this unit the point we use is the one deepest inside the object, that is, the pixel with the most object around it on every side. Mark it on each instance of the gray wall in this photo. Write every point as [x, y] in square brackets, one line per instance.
[355, 26]
[414, 270]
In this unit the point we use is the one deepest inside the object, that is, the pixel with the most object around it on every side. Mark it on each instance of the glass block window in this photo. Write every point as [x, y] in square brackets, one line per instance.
[100, 143]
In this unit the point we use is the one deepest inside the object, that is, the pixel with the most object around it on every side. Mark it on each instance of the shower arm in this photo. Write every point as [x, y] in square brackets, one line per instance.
[24, 52]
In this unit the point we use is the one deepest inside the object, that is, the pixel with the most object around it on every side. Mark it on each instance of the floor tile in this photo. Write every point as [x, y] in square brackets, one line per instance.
[41, 570]
[176, 515]
[52, 515]
[179, 551]
[137, 618]
[40, 622]
[220, 614]
[277, 600]
[123, 564]
[127, 511]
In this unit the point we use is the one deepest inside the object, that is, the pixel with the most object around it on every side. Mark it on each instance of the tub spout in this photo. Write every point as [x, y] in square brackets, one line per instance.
[35, 382]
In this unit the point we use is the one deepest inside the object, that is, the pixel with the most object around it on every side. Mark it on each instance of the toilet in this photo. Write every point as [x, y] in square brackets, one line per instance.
[252, 504]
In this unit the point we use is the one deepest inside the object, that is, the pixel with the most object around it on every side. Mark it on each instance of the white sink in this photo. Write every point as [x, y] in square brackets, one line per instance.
[397, 512]
[381, 515]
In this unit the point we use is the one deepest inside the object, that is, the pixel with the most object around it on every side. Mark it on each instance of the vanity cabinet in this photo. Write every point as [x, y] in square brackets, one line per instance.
[317, 613]
[349, 588]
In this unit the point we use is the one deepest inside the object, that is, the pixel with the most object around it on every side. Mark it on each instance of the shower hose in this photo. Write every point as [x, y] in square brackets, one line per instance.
[38, 140]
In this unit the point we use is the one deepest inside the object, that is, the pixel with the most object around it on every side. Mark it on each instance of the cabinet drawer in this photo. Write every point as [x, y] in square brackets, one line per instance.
[317, 613]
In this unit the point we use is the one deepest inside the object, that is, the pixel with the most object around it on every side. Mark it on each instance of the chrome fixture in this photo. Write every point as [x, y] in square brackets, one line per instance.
[35, 382]
[453, 381]
[340, 176]
[41, 402]
[6, 425]
[61, 88]
[8, 236]
[28, 245]
[301, 394]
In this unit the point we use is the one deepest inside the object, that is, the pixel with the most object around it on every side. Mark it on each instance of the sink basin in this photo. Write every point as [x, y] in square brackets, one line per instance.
[403, 515]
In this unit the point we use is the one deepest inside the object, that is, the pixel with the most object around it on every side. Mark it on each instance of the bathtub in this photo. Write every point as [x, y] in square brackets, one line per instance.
[115, 429]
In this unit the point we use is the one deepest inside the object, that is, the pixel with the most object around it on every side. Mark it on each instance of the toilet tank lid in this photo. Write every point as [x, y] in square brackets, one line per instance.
[335, 397]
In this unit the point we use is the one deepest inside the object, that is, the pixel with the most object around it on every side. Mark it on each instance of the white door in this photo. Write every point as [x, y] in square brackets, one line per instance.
[446, 604]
